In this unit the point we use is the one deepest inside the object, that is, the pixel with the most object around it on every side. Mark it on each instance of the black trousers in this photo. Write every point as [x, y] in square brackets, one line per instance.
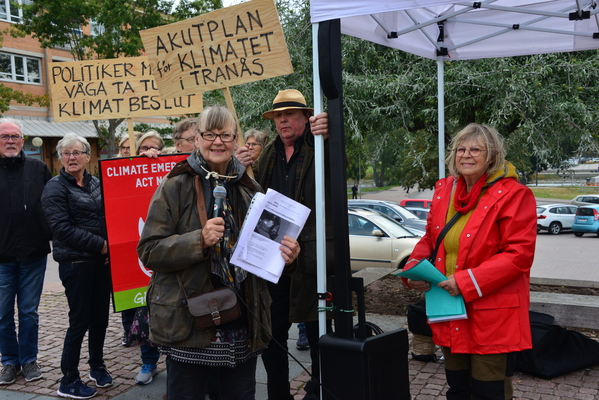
[275, 357]
[186, 381]
[87, 288]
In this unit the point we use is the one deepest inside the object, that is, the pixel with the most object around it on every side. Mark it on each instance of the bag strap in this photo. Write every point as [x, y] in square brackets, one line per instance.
[181, 286]
[201, 206]
[447, 227]
[200, 203]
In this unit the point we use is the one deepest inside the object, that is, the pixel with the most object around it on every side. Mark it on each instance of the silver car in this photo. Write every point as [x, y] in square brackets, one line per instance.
[392, 210]
[585, 199]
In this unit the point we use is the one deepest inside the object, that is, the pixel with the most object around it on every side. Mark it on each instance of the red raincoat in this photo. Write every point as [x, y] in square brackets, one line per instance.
[493, 267]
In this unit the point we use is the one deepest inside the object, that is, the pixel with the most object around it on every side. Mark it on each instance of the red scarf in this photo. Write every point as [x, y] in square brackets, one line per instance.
[464, 201]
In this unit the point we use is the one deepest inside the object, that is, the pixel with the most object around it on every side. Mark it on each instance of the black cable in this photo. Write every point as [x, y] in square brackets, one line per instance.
[279, 344]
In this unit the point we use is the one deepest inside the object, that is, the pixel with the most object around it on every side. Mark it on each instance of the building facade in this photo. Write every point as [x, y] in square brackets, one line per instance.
[23, 67]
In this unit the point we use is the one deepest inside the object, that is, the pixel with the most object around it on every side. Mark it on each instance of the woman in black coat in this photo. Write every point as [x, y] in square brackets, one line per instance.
[72, 205]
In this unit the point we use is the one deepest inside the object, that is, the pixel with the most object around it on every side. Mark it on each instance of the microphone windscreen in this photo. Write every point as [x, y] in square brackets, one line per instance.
[219, 192]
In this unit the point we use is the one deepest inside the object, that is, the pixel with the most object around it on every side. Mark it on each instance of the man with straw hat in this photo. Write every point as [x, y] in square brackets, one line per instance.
[287, 166]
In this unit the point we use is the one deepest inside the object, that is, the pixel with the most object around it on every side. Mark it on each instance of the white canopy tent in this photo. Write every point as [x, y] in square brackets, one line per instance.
[453, 30]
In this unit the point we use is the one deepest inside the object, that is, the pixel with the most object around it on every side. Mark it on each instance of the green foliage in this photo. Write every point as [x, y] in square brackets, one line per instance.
[8, 94]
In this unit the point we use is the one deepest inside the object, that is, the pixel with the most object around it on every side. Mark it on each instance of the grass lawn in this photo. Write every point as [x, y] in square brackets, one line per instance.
[563, 193]
[541, 192]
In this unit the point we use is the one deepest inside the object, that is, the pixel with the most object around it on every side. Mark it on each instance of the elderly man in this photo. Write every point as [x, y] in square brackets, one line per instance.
[287, 166]
[24, 248]
[184, 135]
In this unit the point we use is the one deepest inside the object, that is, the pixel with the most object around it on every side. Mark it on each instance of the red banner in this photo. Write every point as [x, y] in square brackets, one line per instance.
[127, 186]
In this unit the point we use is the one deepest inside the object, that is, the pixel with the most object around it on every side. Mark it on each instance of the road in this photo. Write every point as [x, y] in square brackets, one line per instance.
[559, 259]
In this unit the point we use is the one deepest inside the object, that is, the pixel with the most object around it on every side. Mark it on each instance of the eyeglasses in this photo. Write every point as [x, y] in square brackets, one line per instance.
[190, 139]
[146, 148]
[474, 152]
[211, 136]
[6, 138]
[127, 148]
[252, 144]
[76, 154]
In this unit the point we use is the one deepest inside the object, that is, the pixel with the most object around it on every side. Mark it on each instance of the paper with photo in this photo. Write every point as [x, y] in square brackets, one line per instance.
[271, 217]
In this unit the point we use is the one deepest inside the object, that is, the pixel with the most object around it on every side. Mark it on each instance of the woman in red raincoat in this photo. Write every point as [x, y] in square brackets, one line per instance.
[486, 255]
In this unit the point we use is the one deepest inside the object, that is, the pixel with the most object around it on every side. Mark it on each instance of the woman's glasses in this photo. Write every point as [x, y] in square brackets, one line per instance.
[474, 152]
[75, 154]
[146, 148]
[211, 136]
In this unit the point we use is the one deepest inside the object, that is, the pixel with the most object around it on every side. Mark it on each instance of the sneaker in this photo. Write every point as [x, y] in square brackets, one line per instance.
[76, 390]
[302, 340]
[101, 377]
[147, 373]
[31, 371]
[9, 374]
[126, 340]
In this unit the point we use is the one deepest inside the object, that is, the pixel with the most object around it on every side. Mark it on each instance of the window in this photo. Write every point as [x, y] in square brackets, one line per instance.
[20, 68]
[96, 28]
[10, 10]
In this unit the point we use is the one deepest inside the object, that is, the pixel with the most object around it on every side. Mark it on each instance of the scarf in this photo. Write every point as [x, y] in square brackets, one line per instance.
[221, 253]
[464, 201]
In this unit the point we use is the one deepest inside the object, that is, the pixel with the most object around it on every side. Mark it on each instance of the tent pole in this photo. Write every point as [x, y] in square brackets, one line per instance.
[441, 112]
[319, 170]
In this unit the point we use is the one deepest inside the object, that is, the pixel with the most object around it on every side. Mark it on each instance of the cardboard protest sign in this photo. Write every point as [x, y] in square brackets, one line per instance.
[222, 48]
[112, 88]
[128, 185]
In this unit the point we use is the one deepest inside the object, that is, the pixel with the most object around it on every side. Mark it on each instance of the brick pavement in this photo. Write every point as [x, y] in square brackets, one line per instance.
[122, 362]
[427, 380]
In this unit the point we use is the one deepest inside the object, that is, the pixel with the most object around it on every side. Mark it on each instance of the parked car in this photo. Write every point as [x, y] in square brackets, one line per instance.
[378, 241]
[554, 218]
[393, 210]
[586, 220]
[422, 203]
[585, 199]
[421, 213]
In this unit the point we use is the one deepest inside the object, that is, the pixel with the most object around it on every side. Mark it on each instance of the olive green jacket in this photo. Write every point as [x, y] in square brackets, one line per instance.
[171, 243]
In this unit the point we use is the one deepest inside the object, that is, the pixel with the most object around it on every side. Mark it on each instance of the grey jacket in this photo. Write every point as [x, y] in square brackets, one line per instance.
[170, 244]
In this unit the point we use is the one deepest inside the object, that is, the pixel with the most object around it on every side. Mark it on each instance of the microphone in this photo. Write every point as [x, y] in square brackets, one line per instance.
[219, 193]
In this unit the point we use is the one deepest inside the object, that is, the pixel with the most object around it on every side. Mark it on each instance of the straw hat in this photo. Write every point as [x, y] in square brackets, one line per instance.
[288, 99]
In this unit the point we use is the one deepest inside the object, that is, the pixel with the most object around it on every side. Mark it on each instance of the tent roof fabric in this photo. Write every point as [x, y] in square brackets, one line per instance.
[470, 30]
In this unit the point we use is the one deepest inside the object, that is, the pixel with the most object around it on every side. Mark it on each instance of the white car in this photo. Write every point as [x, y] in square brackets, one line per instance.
[378, 241]
[554, 218]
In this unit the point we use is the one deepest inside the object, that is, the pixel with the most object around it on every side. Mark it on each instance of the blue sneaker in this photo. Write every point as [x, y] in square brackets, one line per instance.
[101, 377]
[76, 390]
[147, 373]
[302, 339]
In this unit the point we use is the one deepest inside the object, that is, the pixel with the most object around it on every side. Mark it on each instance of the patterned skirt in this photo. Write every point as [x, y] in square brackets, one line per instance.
[227, 349]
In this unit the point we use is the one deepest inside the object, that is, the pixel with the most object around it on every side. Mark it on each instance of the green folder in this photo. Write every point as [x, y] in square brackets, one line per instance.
[440, 305]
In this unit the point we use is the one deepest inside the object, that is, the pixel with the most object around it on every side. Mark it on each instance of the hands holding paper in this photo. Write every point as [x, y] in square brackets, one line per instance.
[289, 250]
[421, 286]
[450, 285]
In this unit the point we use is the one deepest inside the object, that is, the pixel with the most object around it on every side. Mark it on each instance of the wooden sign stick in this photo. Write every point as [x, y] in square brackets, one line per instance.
[240, 141]
[132, 146]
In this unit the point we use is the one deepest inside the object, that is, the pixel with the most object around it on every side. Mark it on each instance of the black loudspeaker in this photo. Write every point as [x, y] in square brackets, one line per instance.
[375, 368]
